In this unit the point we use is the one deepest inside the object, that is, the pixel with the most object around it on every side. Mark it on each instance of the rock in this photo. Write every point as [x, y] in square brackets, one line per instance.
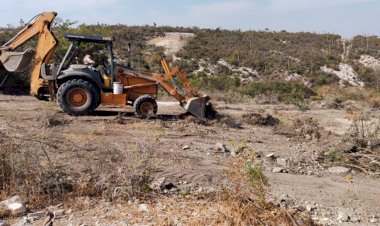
[143, 208]
[13, 199]
[14, 204]
[157, 183]
[338, 170]
[37, 215]
[186, 147]
[221, 147]
[373, 220]
[271, 155]
[343, 216]
[3, 223]
[278, 170]
[59, 213]
[282, 161]
[17, 208]
[310, 208]
[355, 219]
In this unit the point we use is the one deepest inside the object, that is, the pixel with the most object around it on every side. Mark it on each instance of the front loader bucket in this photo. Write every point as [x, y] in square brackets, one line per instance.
[16, 61]
[198, 106]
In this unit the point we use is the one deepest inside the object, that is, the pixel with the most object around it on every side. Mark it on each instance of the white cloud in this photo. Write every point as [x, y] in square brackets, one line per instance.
[297, 5]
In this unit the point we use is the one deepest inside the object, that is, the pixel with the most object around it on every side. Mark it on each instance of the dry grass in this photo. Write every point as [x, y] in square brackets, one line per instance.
[364, 134]
[243, 203]
[336, 95]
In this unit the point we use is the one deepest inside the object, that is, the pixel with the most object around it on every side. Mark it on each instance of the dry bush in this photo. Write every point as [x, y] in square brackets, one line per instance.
[364, 135]
[27, 170]
[303, 127]
[258, 119]
[244, 203]
[308, 128]
[336, 96]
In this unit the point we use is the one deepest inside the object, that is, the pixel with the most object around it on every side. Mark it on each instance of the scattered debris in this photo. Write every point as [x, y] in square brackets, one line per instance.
[157, 183]
[59, 213]
[338, 170]
[144, 208]
[279, 170]
[258, 119]
[282, 162]
[36, 215]
[219, 147]
[308, 128]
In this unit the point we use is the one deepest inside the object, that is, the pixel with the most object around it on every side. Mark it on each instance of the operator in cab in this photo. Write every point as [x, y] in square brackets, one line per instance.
[87, 60]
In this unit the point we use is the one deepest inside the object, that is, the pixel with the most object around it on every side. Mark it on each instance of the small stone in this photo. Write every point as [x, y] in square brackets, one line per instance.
[338, 170]
[271, 155]
[355, 219]
[343, 216]
[310, 208]
[143, 208]
[373, 220]
[59, 213]
[186, 147]
[278, 170]
[157, 183]
[37, 215]
[282, 161]
[220, 147]
[3, 223]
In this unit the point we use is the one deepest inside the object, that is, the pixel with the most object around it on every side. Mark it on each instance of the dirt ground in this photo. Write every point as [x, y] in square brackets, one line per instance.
[185, 153]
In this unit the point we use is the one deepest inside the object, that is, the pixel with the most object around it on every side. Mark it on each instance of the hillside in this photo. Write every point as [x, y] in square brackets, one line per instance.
[235, 57]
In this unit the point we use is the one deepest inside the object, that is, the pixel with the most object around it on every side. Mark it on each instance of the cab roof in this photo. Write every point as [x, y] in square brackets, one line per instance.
[88, 38]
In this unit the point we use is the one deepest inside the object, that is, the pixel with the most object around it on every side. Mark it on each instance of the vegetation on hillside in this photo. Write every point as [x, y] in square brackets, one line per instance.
[273, 55]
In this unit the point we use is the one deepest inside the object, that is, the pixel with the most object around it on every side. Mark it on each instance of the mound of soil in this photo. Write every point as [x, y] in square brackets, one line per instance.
[257, 119]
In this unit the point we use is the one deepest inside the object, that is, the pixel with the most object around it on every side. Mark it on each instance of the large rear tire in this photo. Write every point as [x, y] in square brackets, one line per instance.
[145, 106]
[78, 97]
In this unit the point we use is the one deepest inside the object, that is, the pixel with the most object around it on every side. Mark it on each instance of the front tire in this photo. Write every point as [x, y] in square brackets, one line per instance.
[78, 97]
[145, 106]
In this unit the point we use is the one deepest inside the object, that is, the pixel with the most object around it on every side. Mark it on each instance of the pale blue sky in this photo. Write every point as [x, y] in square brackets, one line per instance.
[344, 17]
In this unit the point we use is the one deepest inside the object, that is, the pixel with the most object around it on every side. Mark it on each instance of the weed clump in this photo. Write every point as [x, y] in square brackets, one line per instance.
[258, 119]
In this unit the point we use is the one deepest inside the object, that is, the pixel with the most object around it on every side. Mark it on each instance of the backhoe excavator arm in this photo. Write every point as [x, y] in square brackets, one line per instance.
[46, 45]
[178, 86]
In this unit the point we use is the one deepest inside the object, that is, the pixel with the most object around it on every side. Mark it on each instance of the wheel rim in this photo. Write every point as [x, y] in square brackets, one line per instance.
[77, 97]
[146, 108]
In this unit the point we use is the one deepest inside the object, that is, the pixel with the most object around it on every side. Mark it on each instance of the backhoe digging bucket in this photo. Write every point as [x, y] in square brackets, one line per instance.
[16, 61]
[199, 106]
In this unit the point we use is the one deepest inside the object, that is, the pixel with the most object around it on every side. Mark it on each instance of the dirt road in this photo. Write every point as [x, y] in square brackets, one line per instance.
[185, 153]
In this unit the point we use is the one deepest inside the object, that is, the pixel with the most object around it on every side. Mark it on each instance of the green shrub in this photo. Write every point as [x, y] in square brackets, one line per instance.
[334, 156]
[290, 92]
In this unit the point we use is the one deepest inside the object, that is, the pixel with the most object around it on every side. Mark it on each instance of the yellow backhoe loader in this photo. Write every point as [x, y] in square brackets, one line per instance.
[80, 88]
